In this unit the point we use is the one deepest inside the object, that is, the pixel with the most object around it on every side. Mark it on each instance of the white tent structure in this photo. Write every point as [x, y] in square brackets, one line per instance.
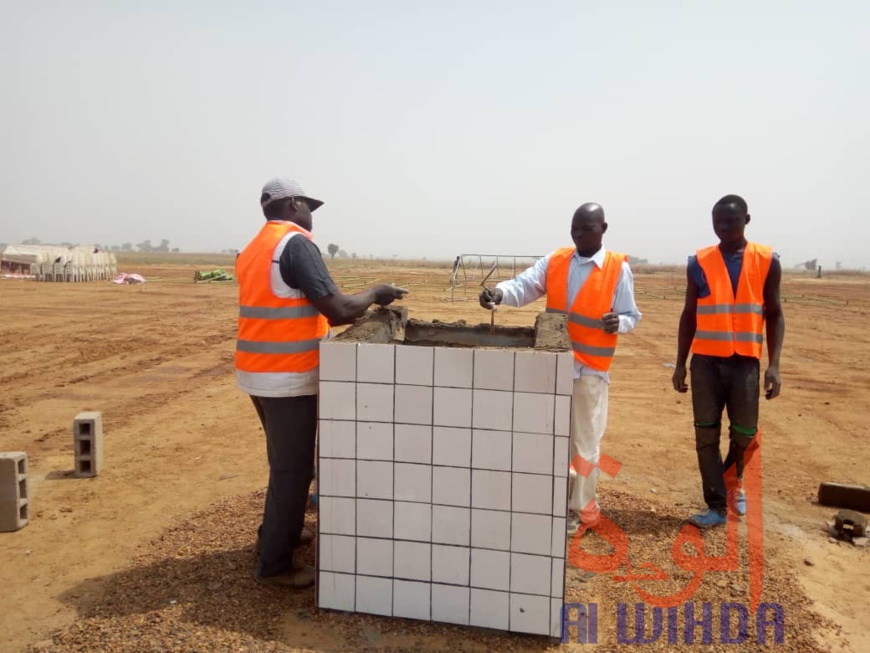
[53, 263]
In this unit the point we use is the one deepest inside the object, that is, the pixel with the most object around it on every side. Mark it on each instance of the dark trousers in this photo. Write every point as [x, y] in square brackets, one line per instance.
[717, 383]
[290, 424]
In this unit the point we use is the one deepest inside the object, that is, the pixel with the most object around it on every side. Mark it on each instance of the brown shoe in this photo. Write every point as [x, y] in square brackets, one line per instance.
[298, 578]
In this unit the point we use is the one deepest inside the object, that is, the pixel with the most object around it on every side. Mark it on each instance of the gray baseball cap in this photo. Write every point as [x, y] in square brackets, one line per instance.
[281, 187]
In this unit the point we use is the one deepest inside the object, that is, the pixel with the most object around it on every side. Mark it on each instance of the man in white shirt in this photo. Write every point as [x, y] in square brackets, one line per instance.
[595, 288]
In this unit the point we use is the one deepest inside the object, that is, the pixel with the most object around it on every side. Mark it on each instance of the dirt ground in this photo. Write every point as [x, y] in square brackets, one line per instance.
[154, 554]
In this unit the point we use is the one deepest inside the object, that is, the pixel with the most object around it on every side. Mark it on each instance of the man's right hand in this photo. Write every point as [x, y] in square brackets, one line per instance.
[385, 294]
[489, 299]
[679, 379]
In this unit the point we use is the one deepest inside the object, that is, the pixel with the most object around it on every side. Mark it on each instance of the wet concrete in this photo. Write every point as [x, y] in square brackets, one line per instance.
[391, 325]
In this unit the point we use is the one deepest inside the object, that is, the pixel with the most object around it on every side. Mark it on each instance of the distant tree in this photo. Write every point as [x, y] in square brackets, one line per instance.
[145, 246]
[811, 265]
[127, 247]
[31, 241]
[353, 255]
[838, 265]
[175, 250]
[66, 244]
[332, 248]
[164, 246]
[342, 254]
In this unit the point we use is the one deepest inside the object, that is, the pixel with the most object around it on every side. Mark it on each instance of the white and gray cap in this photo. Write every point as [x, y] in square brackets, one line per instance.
[281, 187]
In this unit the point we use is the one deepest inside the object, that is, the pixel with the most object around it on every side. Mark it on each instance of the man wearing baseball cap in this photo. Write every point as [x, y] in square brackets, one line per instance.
[287, 301]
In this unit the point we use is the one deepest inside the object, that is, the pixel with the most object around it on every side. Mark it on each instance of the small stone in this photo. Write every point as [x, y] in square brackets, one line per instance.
[736, 590]
[652, 510]
[722, 583]
[653, 490]
[27, 552]
[861, 541]
[833, 540]
[172, 601]
[214, 585]
[809, 563]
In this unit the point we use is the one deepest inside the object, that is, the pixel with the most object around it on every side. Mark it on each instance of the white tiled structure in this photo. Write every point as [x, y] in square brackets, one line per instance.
[442, 479]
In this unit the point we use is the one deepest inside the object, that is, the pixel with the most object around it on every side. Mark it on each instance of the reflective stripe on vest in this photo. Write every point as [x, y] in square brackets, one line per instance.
[277, 335]
[728, 324]
[592, 347]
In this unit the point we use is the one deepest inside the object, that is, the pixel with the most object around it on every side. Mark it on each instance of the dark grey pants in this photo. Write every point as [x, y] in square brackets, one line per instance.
[290, 424]
[717, 383]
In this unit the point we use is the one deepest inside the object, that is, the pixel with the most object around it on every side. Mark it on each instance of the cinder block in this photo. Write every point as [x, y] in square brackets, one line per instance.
[535, 372]
[453, 367]
[531, 574]
[88, 443]
[530, 614]
[14, 492]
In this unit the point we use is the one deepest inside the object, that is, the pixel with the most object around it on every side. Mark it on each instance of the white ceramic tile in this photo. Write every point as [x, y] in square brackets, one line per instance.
[413, 482]
[560, 497]
[374, 518]
[562, 418]
[491, 450]
[450, 564]
[338, 361]
[374, 402]
[413, 521]
[374, 479]
[494, 369]
[414, 365]
[413, 443]
[453, 367]
[556, 618]
[451, 486]
[492, 410]
[336, 439]
[533, 413]
[559, 537]
[374, 557]
[412, 560]
[490, 569]
[451, 525]
[560, 456]
[451, 446]
[337, 515]
[374, 441]
[374, 595]
[413, 404]
[337, 400]
[557, 582]
[535, 372]
[530, 574]
[411, 599]
[530, 614]
[490, 609]
[531, 534]
[450, 604]
[565, 373]
[532, 493]
[375, 363]
[336, 478]
[336, 591]
[451, 407]
[336, 553]
[533, 453]
[491, 529]
[490, 490]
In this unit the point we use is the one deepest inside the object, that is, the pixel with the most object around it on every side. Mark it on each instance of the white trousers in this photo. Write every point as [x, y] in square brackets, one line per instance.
[588, 422]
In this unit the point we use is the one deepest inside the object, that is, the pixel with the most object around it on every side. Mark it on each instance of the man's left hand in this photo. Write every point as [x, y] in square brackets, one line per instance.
[772, 382]
[610, 322]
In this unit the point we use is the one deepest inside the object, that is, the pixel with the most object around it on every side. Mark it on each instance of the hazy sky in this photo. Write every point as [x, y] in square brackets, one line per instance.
[438, 128]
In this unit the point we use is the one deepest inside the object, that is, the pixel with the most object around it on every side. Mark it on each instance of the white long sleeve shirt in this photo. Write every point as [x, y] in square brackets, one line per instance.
[531, 285]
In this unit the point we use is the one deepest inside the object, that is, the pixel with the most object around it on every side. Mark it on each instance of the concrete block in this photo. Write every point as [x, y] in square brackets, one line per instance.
[374, 595]
[451, 446]
[374, 557]
[413, 404]
[535, 372]
[532, 533]
[491, 529]
[529, 614]
[375, 363]
[88, 443]
[533, 453]
[532, 493]
[491, 569]
[533, 413]
[450, 604]
[336, 591]
[452, 407]
[490, 609]
[450, 564]
[451, 486]
[493, 369]
[491, 450]
[414, 365]
[492, 410]
[411, 599]
[531, 574]
[337, 361]
[412, 560]
[14, 491]
[453, 367]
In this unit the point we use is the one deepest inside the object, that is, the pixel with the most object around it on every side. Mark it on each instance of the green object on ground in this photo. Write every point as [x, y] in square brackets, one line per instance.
[213, 275]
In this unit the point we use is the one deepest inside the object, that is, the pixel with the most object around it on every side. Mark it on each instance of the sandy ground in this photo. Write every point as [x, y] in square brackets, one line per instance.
[181, 442]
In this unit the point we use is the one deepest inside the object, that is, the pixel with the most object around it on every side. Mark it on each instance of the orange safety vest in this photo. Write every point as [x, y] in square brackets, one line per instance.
[728, 325]
[276, 334]
[592, 347]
